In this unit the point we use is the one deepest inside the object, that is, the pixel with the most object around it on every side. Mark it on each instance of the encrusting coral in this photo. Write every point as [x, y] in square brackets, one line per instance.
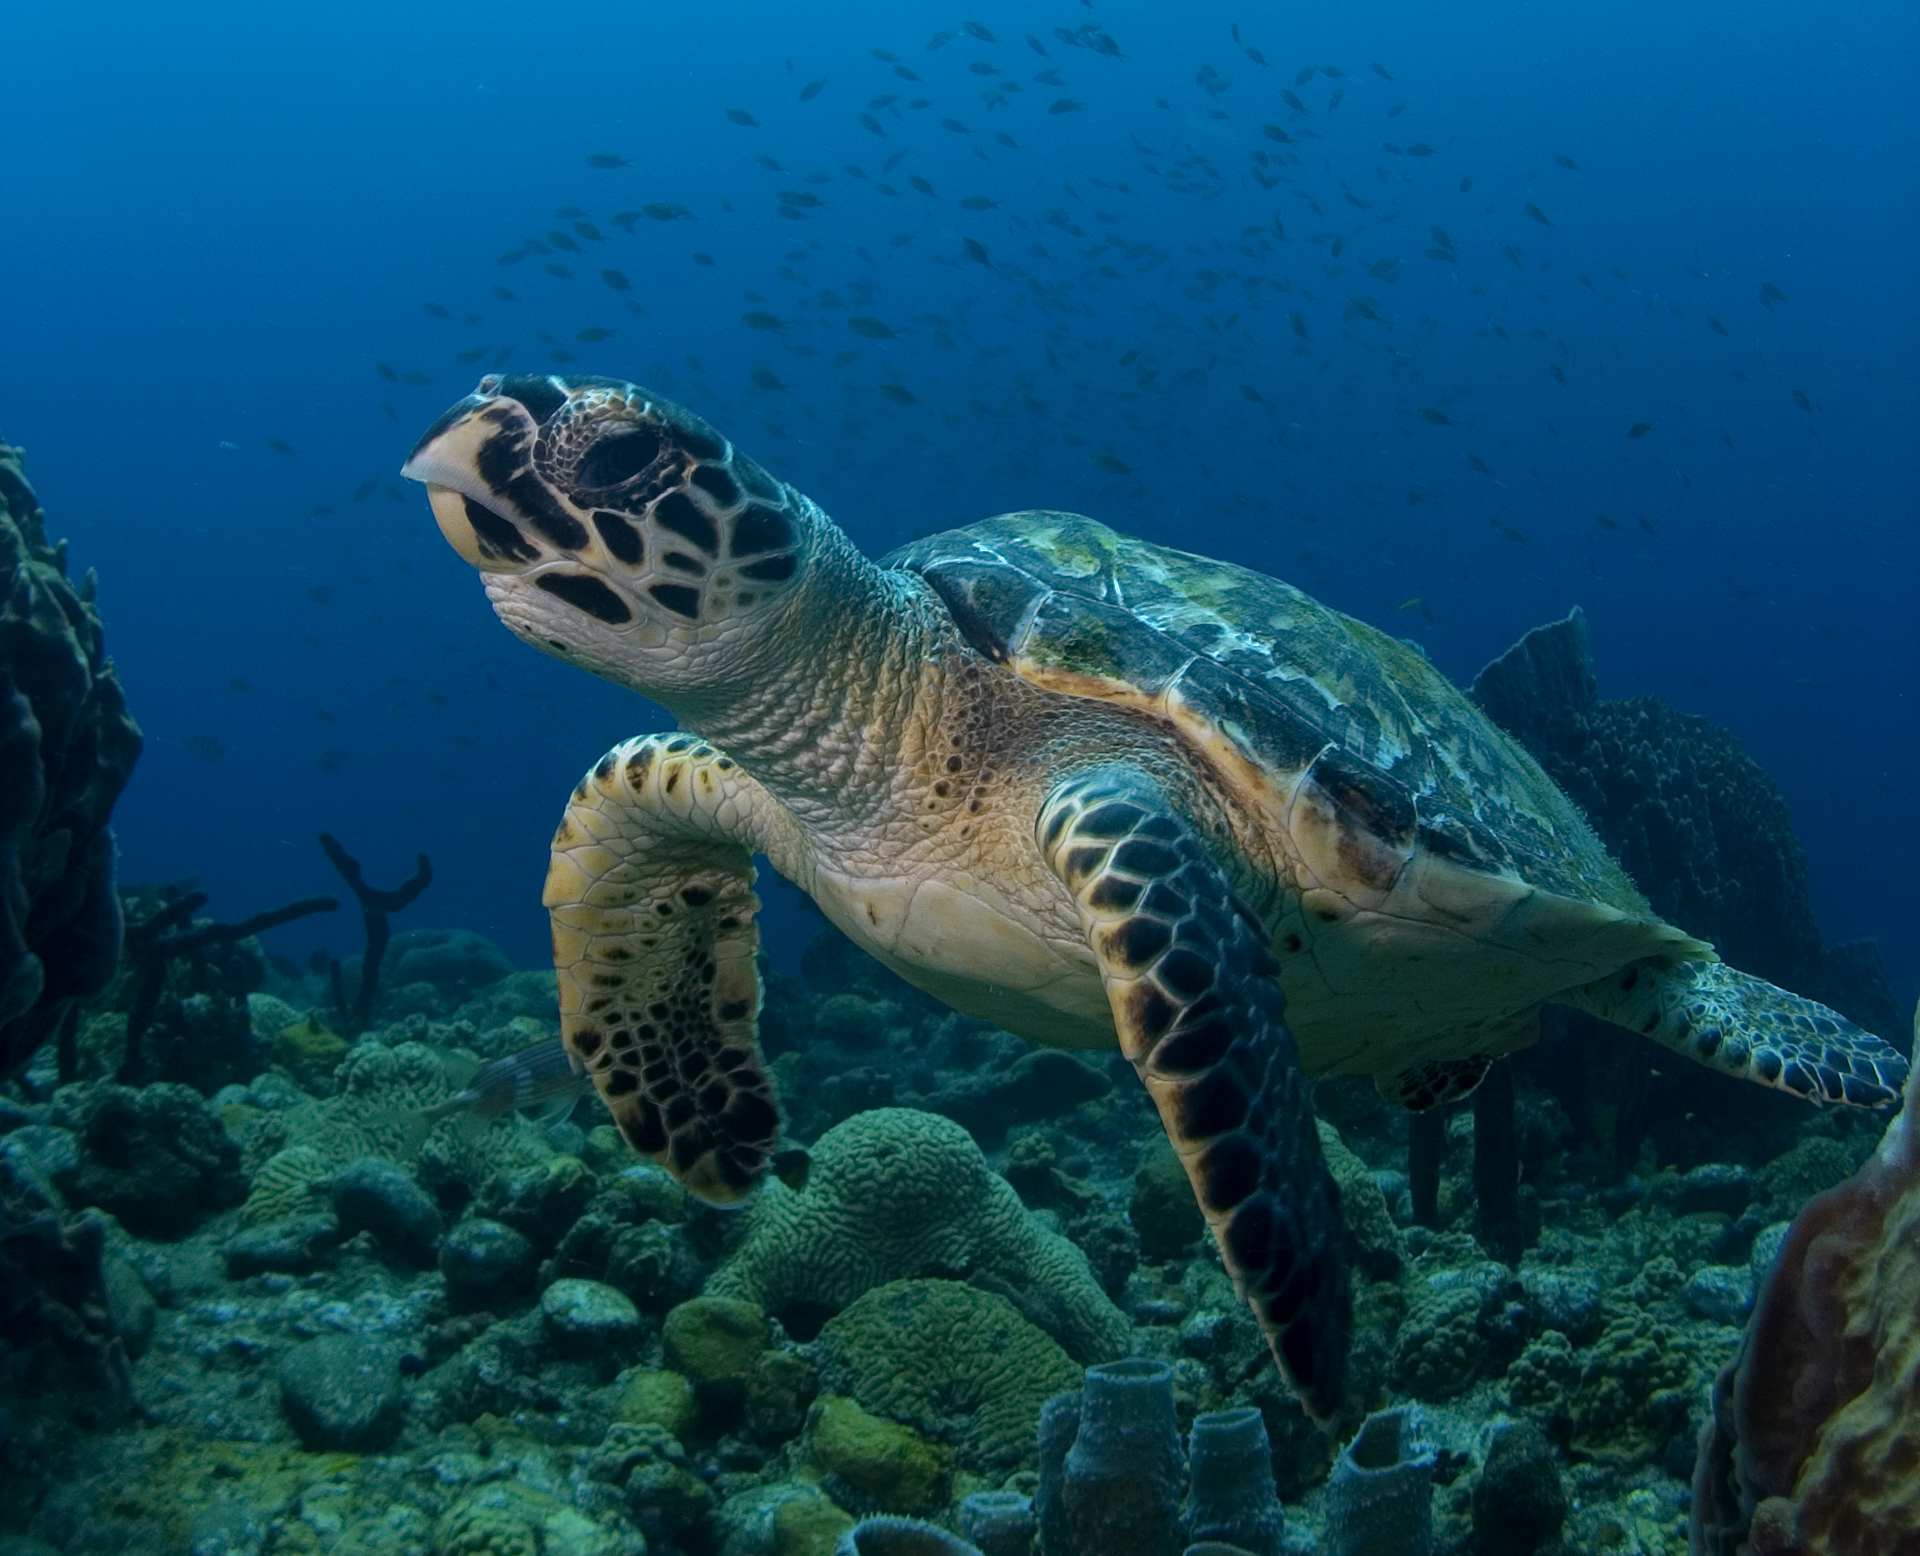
[895, 1193]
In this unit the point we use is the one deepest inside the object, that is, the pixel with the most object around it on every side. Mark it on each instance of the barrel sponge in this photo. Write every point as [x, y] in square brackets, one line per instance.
[959, 1364]
[1810, 1446]
[896, 1193]
[67, 747]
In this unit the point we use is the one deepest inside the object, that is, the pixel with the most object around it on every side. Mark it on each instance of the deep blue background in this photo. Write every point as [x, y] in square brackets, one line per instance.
[215, 220]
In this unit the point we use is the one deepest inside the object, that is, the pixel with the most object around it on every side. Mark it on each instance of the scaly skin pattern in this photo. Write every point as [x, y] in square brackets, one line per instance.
[892, 735]
[1199, 1012]
[650, 895]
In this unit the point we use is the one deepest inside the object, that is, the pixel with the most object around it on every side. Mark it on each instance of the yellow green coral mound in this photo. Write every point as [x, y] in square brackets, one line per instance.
[896, 1193]
[959, 1364]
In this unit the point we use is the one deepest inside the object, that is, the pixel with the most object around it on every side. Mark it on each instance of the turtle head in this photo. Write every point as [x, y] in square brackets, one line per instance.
[613, 528]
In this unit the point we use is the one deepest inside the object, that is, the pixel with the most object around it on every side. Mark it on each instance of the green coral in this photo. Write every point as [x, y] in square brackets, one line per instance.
[1636, 1390]
[1807, 1168]
[874, 1465]
[896, 1193]
[715, 1341]
[1441, 1346]
[1542, 1376]
[1377, 1245]
[284, 1185]
[516, 1520]
[650, 1396]
[309, 1051]
[959, 1364]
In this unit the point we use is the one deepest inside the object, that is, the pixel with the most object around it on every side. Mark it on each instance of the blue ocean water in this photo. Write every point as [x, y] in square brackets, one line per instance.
[1390, 338]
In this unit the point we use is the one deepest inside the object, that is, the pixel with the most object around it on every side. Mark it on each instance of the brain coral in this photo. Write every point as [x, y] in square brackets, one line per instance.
[959, 1364]
[1636, 1388]
[381, 1110]
[897, 1193]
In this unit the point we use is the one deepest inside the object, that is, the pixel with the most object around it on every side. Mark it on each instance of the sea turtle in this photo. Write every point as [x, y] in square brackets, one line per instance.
[1072, 783]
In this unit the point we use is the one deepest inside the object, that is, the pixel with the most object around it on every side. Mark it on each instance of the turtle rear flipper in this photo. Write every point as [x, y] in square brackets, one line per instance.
[650, 894]
[1744, 1026]
[1190, 979]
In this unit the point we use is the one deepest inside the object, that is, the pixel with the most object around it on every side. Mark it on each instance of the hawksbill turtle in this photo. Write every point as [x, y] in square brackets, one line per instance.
[1084, 787]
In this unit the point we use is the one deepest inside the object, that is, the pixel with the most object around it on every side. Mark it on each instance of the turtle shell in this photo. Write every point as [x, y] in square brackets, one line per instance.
[1397, 794]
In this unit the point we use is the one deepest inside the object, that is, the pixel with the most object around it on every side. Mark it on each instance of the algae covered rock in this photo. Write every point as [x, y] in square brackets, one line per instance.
[653, 1396]
[457, 962]
[715, 1342]
[156, 1156]
[959, 1364]
[486, 1264]
[897, 1193]
[516, 1520]
[342, 1392]
[787, 1518]
[1376, 1241]
[870, 1463]
[588, 1318]
[373, 1195]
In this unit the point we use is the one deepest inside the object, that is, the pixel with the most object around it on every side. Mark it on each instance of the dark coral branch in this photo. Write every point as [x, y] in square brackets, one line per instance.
[168, 935]
[377, 905]
[1426, 1144]
[1496, 1167]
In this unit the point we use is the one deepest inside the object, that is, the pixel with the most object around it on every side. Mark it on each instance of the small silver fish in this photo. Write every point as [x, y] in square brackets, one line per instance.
[541, 1081]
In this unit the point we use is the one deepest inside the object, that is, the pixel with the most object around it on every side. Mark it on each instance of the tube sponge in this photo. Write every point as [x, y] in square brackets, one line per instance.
[1380, 1498]
[1124, 1471]
[999, 1522]
[1059, 1424]
[889, 1536]
[1231, 1497]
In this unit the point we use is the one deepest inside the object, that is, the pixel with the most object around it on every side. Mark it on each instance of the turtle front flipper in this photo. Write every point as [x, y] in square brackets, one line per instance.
[650, 893]
[1734, 1022]
[1190, 978]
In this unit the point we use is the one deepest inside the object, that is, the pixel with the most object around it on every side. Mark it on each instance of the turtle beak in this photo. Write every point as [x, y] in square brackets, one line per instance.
[450, 513]
[449, 452]
[448, 461]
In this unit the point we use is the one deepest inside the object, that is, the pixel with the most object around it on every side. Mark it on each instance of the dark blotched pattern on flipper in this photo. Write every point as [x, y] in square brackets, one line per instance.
[1746, 1027]
[653, 943]
[1435, 1082]
[1200, 1014]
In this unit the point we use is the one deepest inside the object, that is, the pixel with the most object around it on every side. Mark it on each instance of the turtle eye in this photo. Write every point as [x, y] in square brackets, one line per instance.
[619, 456]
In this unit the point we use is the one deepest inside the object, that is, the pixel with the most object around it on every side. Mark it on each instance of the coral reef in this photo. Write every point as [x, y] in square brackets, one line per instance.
[67, 747]
[896, 1193]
